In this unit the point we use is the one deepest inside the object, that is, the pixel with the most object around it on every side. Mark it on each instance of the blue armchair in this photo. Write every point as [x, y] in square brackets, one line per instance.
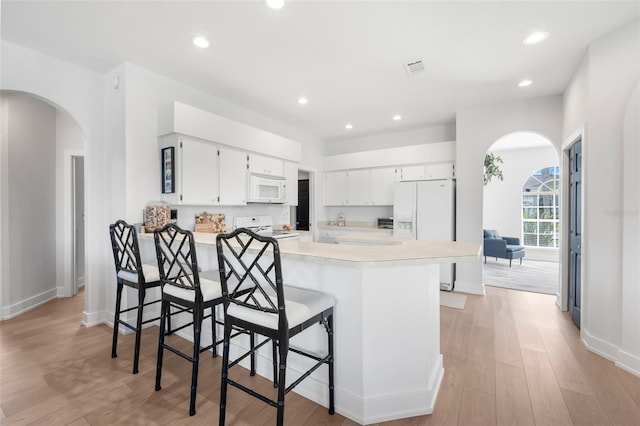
[501, 247]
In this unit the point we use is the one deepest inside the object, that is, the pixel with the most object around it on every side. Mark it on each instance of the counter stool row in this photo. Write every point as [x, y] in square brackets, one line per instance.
[250, 290]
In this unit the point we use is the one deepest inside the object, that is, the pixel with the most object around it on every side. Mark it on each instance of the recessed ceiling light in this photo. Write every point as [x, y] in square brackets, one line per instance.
[303, 101]
[535, 38]
[275, 4]
[525, 83]
[348, 126]
[397, 117]
[200, 42]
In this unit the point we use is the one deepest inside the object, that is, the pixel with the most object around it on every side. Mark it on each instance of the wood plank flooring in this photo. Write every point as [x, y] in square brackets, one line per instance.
[511, 358]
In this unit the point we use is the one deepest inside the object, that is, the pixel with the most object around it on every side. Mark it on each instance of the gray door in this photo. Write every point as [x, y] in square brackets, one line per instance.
[575, 229]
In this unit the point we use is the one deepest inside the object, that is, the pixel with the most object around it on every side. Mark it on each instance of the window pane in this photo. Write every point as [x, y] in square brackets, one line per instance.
[547, 241]
[530, 213]
[530, 240]
[545, 200]
[530, 227]
[532, 185]
[546, 228]
[546, 213]
[529, 200]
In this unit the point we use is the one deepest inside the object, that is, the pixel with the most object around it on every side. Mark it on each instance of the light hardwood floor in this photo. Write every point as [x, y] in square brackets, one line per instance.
[511, 358]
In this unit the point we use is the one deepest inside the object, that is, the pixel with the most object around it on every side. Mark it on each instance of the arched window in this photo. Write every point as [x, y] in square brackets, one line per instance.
[541, 208]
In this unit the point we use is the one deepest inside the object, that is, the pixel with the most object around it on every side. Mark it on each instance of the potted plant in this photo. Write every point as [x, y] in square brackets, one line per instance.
[491, 167]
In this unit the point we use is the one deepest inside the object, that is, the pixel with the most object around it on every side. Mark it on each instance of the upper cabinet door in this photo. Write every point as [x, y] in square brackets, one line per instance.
[335, 188]
[440, 171]
[264, 165]
[382, 185]
[358, 188]
[412, 173]
[198, 172]
[233, 177]
[291, 176]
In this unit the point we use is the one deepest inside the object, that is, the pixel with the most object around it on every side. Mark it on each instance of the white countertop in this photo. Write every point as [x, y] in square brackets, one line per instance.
[391, 251]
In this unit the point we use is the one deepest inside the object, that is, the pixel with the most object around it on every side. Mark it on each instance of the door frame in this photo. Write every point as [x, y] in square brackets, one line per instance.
[68, 287]
[312, 194]
[563, 296]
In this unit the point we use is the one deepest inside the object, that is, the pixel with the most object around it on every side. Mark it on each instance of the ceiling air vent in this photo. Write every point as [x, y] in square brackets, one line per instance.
[414, 67]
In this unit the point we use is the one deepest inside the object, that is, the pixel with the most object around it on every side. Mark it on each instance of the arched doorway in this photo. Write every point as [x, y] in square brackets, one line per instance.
[42, 213]
[530, 162]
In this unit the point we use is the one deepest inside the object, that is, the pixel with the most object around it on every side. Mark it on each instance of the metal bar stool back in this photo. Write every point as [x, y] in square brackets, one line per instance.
[131, 272]
[270, 309]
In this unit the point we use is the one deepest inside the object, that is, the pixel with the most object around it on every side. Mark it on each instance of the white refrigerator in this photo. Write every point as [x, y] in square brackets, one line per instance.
[425, 210]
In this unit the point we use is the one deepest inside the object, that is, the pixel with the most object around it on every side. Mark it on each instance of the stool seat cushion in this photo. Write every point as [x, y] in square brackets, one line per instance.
[150, 273]
[210, 290]
[301, 304]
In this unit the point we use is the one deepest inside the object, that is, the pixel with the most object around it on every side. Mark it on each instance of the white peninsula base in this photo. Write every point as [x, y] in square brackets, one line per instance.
[386, 323]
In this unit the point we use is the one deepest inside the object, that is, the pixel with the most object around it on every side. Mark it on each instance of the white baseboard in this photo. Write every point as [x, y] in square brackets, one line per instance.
[628, 362]
[91, 319]
[23, 306]
[599, 346]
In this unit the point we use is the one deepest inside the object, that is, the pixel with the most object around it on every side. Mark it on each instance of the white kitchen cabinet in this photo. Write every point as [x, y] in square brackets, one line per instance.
[439, 171]
[264, 165]
[198, 172]
[233, 176]
[335, 188]
[291, 177]
[412, 173]
[365, 187]
[382, 186]
[206, 174]
[427, 171]
[358, 188]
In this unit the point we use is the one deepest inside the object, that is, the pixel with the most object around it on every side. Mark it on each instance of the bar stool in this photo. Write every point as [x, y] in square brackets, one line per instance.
[131, 272]
[184, 288]
[270, 309]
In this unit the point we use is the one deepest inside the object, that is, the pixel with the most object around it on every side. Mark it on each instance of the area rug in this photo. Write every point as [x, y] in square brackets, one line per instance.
[452, 300]
[533, 275]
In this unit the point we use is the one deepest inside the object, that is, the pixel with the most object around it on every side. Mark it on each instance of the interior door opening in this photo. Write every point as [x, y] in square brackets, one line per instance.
[302, 210]
[78, 223]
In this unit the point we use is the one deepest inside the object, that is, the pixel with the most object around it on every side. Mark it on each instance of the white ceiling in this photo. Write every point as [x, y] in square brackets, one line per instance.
[346, 57]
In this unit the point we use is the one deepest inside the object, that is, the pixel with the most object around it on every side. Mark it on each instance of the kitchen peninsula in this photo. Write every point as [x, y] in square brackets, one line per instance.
[388, 363]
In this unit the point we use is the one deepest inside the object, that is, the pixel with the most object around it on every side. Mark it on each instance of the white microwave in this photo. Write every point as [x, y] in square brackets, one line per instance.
[266, 189]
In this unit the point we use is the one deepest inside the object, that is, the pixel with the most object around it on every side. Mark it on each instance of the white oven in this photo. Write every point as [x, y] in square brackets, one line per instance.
[266, 189]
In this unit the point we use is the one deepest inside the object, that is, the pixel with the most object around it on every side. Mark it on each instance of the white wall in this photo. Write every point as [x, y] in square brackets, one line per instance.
[78, 92]
[439, 133]
[477, 129]
[31, 129]
[596, 105]
[629, 352]
[503, 199]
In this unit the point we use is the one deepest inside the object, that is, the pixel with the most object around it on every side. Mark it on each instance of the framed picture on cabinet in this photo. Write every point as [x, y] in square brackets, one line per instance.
[168, 171]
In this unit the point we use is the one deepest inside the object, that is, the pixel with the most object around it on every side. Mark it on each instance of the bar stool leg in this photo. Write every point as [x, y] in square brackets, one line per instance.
[213, 331]
[136, 353]
[274, 357]
[116, 320]
[283, 348]
[197, 326]
[331, 378]
[225, 372]
[164, 309]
